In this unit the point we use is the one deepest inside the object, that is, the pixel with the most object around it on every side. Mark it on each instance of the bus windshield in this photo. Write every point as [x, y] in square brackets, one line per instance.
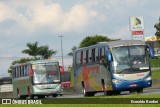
[46, 73]
[130, 59]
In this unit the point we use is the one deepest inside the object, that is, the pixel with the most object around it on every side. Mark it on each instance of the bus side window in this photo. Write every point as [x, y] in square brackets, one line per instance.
[81, 57]
[96, 55]
[25, 70]
[22, 71]
[93, 55]
[15, 72]
[78, 58]
[90, 56]
[18, 74]
[102, 53]
[84, 57]
[19, 71]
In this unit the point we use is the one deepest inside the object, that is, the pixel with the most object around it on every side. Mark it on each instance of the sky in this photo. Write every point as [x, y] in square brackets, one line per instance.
[23, 21]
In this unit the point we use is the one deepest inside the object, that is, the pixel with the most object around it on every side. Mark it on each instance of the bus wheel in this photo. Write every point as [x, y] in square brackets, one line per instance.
[104, 90]
[140, 90]
[118, 92]
[18, 94]
[84, 91]
[29, 94]
[41, 96]
[54, 95]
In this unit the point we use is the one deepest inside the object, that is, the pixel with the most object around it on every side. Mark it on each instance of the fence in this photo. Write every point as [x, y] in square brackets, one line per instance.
[6, 88]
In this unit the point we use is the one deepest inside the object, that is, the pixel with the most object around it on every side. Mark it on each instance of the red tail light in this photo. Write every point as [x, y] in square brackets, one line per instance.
[31, 72]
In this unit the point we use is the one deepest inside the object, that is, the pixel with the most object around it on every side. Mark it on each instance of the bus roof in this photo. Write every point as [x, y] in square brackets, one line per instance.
[35, 62]
[115, 43]
[92, 46]
[42, 61]
[125, 42]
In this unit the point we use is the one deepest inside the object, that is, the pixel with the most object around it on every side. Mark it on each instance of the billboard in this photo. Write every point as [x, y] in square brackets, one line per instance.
[137, 27]
[136, 23]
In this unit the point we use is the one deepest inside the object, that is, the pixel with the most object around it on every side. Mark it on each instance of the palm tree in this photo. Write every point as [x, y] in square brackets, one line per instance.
[33, 49]
[45, 52]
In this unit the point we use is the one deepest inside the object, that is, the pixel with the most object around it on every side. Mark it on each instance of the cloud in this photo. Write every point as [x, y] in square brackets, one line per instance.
[4, 12]
[122, 32]
[36, 15]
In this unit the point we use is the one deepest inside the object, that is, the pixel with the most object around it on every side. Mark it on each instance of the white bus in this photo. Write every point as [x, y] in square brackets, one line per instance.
[37, 78]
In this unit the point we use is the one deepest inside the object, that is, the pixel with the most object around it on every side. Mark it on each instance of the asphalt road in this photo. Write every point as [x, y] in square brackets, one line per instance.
[146, 91]
[125, 93]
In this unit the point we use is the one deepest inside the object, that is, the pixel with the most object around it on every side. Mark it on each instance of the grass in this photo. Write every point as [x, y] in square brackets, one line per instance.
[87, 105]
[155, 63]
[104, 98]
[156, 74]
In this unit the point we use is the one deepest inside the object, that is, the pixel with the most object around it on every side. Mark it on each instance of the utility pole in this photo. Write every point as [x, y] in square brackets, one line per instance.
[61, 49]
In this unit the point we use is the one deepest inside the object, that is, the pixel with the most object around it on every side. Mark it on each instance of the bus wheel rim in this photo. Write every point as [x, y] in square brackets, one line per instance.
[84, 91]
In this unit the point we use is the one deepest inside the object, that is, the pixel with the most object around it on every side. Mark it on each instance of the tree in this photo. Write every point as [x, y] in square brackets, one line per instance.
[157, 26]
[92, 40]
[33, 49]
[45, 52]
[71, 53]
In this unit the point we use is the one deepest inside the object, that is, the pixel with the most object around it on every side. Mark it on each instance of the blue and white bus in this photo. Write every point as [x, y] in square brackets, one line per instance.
[37, 78]
[112, 67]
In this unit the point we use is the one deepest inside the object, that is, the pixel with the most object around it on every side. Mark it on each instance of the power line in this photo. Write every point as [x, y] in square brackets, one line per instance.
[16, 58]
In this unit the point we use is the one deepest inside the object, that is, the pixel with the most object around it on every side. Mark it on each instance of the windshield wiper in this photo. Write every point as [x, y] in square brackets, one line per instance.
[123, 70]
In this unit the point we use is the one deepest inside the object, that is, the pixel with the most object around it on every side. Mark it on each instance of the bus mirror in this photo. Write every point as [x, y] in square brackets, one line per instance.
[109, 56]
[151, 52]
[31, 72]
[61, 69]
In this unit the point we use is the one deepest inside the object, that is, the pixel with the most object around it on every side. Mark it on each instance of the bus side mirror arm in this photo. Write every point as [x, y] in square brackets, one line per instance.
[109, 55]
[151, 51]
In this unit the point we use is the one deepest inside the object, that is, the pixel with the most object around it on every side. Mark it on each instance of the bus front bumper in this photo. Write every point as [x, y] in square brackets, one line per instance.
[47, 91]
[128, 85]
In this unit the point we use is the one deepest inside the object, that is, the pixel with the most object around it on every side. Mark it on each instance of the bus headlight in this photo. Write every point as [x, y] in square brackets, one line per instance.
[116, 81]
[148, 78]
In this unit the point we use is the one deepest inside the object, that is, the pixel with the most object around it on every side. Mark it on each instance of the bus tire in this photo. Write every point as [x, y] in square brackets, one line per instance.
[91, 93]
[32, 97]
[103, 88]
[54, 95]
[118, 92]
[18, 94]
[29, 94]
[41, 96]
[105, 92]
[22, 97]
[140, 90]
[84, 90]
